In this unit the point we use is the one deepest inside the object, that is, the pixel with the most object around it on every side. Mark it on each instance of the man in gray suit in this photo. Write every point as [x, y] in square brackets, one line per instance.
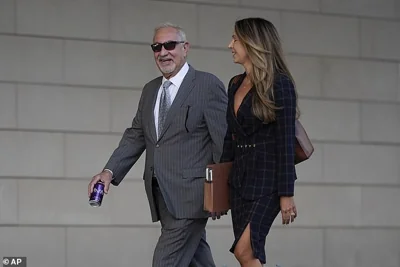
[181, 124]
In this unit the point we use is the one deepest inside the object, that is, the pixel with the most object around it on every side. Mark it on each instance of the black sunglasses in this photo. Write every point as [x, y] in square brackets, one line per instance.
[170, 45]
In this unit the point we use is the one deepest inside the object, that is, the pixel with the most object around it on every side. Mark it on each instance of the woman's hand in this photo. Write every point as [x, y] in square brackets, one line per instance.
[288, 209]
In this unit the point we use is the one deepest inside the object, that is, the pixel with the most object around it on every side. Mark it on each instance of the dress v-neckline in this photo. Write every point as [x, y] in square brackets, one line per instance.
[236, 113]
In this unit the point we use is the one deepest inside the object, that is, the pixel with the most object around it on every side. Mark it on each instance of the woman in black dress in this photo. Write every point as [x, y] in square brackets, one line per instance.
[260, 140]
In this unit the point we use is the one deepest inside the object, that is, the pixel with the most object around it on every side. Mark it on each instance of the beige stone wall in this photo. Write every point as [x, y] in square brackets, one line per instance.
[71, 73]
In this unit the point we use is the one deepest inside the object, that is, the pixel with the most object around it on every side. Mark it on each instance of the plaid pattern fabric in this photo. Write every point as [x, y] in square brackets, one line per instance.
[262, 154]
[263, 161]
[260, 213]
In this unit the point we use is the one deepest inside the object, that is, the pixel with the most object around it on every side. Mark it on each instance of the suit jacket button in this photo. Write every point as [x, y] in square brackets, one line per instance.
[157, 145]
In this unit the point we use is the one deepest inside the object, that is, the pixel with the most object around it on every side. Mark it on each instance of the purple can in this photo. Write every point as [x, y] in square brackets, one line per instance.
[97, 195]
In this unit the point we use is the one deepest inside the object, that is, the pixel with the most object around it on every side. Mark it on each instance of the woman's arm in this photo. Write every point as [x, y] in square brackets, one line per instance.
[285, 100]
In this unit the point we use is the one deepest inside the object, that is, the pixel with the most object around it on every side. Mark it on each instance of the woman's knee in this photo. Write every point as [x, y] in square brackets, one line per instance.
[243, 250]
[243, 254]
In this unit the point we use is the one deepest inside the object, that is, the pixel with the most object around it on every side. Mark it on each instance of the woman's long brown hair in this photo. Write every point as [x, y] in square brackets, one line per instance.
[263, 47]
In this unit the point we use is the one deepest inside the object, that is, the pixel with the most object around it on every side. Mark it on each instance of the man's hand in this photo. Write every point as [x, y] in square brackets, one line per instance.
[105, 177]
[288, 209]
[217, 215]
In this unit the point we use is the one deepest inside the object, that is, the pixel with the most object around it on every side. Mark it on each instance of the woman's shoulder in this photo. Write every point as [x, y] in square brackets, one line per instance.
[235, 80]
[282, 80]
[283, 88]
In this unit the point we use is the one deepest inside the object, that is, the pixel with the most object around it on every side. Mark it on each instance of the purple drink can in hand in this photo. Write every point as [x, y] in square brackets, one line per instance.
[97, 195]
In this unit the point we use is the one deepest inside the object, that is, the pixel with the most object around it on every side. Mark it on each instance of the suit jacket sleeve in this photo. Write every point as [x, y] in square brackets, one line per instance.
[285, 100]
[130, 148]
[215, 116]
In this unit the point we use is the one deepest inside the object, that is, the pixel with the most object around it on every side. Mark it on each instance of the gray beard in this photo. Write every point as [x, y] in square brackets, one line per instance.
[168, 69]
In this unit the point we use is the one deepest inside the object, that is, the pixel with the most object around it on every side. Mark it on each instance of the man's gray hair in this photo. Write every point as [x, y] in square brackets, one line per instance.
[179, 29]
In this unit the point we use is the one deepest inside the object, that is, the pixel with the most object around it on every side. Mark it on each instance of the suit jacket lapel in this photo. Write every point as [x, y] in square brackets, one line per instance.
[151, 121]
[183, 92]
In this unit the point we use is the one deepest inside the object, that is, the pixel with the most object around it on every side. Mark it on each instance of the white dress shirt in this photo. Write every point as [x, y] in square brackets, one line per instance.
[173, 90]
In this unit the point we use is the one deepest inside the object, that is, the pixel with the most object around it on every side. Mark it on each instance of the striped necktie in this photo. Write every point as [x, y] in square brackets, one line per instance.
[165, 104]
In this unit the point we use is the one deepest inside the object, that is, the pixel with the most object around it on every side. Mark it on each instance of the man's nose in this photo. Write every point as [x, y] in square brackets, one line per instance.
[163, 51]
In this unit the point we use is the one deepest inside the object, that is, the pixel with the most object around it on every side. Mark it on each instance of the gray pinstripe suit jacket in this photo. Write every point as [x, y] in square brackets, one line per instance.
[192, 137]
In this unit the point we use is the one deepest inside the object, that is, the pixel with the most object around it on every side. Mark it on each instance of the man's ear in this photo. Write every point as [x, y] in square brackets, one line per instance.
[186, 47]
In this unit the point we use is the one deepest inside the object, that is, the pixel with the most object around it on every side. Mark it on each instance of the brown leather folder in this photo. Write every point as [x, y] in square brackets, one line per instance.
[216, 188]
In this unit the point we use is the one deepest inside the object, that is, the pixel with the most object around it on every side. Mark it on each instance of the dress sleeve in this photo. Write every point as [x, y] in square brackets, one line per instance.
[285, 100]
[228, 151]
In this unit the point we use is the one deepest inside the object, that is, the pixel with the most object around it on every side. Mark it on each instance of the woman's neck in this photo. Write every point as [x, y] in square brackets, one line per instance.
[247, 68]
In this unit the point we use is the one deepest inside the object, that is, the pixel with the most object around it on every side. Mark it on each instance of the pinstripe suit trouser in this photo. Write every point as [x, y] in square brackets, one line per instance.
[182, 242]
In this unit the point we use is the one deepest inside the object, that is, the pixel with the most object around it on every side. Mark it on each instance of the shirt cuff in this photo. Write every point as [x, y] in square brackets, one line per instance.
[110, 171]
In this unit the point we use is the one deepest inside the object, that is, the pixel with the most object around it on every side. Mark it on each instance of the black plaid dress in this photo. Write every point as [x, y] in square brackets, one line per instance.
[263, 162]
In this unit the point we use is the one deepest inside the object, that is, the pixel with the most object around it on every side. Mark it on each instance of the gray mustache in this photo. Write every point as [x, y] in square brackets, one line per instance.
[163, 58]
